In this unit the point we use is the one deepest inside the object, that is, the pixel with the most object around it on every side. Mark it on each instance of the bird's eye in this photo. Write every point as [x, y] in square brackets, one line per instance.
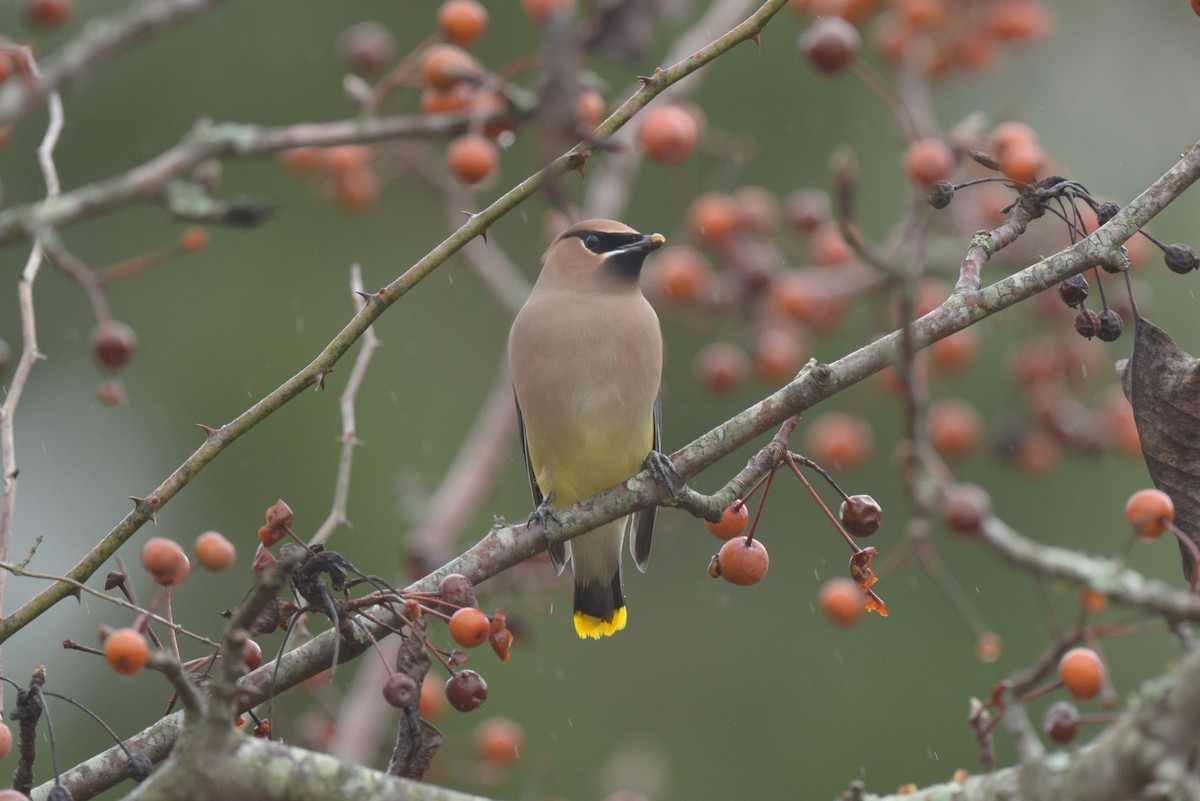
[592, 242]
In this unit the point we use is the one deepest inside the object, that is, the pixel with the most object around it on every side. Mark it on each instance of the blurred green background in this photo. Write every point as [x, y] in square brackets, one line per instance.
[713, 691]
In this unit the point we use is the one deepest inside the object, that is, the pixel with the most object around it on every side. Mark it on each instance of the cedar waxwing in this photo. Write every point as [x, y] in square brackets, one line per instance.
[586, 356]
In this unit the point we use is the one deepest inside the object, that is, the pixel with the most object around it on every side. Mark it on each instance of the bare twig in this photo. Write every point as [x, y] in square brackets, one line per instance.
[30, 352]
[349, 439]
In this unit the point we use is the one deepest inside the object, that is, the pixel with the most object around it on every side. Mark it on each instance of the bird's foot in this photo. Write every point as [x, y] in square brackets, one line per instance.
[664, 472]
[544, 515]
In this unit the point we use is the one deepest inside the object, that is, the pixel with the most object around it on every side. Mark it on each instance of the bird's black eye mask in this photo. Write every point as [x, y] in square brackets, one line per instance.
[602, 242]
[622, 252]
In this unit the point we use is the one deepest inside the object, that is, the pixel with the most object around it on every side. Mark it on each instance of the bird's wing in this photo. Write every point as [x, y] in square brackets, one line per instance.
[643, 521]
[559, 552]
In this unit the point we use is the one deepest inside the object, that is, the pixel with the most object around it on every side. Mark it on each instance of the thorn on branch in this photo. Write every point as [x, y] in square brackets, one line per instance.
[147, 506]
[209, 431]
[649, 81]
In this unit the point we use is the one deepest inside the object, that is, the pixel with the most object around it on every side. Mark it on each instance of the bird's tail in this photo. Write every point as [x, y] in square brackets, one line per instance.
[599, 598]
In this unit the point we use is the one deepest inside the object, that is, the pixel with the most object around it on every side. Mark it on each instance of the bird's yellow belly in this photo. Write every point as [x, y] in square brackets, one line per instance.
[597, 446]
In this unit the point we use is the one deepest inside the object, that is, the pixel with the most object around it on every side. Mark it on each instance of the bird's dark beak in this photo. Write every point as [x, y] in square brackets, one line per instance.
[647, 243]
[628, 259]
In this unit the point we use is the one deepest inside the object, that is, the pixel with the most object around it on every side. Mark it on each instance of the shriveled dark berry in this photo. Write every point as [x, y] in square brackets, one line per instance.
[456, 591]
[139, 767]
[830, 43]
[400, 690]
[1106, 211]
[1073, 290]
[1087, 323]
[1061, 722]
[466, 690]
[965, 507]
[113, 344]
[861, 515]
[941, 194]
[1110, 326]
[1180, 258]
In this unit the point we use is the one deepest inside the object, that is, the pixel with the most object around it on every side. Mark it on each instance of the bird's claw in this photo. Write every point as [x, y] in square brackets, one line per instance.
[664, 472]
[543, 516]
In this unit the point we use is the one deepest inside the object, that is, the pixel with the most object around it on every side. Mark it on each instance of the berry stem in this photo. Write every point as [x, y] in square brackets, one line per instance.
[768, 478]
[1039, 692]
[878, 87]
[791, 463]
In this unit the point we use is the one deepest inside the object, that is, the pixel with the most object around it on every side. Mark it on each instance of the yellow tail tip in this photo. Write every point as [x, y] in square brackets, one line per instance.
[594, 627]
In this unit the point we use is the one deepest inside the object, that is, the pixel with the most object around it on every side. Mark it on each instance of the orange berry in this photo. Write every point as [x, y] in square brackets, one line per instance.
[922, 13]
[126, 651]
[1020, 19]
[214, 551]
[469, 627]
[955, 428]
[345, 159]
[681, 273]
[722, 367]
[826, 247]
[590, 108]
[928, 161]
[471, 158]
[669, 134]
[1095, 602]
[49, 13]
[445, 65]
[732, 523]
[194, 240]
[802, 298]
[842, 601]
[356, 190]
[304, 160]
[433, 698]
[1022, 162]
[955, 352]
[499, 740]
[1008, 135]
[462, 21]
[987, 647]
[165, 561]
[458, 97]
[1037, 452]
[778, 354]
[541, 10]
[713, 217]
[1148, 511]
[1082, 673]
[6, 741]
[742, 561]
[838, 440]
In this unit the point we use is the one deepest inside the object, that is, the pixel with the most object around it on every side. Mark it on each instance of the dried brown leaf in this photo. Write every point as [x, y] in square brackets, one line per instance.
[1162, 382]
